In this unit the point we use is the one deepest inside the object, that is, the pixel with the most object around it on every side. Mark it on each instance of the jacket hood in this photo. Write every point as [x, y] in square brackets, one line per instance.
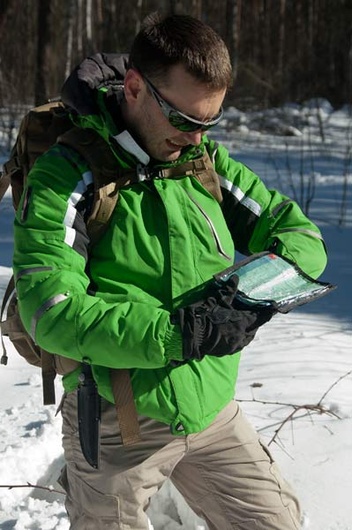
[102, 70]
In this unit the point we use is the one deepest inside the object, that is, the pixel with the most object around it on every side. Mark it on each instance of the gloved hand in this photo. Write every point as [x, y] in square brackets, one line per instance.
[220, 324]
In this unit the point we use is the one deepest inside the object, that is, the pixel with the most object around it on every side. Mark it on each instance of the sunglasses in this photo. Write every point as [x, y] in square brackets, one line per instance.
[178, 119]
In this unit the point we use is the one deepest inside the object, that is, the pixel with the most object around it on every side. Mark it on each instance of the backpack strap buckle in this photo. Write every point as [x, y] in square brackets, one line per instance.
[142, 173]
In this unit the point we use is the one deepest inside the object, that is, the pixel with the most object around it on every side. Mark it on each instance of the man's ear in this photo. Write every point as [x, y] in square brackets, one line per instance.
[133, 84]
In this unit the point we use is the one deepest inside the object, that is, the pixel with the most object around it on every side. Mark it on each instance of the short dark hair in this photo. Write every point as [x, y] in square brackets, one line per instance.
[164, 42]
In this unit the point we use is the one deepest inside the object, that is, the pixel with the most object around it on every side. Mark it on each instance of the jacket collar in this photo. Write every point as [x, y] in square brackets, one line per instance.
[129, 144]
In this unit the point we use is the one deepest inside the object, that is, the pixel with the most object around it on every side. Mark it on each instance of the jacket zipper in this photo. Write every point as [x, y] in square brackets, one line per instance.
[213, 231]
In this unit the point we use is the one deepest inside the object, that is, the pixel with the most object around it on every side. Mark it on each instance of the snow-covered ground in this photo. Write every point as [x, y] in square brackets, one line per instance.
[302, 359]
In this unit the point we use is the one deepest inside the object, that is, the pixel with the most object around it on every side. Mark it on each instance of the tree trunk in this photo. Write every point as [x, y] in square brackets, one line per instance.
[233, 24]
[43, 52]
[69, 43]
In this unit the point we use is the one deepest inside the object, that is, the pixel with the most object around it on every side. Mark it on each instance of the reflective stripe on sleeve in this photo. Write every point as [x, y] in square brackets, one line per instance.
[45, 307]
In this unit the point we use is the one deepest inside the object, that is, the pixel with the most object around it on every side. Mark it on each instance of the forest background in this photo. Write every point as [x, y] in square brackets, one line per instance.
[281, 50]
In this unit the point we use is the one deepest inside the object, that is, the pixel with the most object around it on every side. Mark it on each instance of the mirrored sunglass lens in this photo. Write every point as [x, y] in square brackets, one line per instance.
[184, 125]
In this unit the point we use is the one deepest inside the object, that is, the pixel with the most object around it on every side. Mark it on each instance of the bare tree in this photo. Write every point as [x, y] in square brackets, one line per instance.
[89, 25]
[69, 45]
[196, 9]
[233, 27]
[43, 52]
[281, 43]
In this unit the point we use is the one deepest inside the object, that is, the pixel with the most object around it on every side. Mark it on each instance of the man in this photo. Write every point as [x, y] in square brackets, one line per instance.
[135, 300]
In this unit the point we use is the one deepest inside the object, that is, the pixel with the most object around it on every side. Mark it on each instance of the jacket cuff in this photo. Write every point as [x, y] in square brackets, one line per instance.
[173, 344]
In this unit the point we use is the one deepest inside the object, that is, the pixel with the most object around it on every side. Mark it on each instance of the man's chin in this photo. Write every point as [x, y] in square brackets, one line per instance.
[168, 157]
[168, 152]
[174, 156]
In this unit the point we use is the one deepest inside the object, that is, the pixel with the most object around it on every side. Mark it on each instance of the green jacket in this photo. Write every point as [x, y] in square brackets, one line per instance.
[166, 238]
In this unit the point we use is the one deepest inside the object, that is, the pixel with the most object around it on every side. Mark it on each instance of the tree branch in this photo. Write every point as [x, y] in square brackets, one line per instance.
[317, 408]
[29, 485]
[332, 386]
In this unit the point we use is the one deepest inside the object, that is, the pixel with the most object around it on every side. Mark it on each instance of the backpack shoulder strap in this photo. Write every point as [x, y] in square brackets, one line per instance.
[108, 179]
[125, 406]
[203, 170]
[208, 177]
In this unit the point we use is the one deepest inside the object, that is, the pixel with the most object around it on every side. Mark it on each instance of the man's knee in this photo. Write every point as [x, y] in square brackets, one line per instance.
[88, 508]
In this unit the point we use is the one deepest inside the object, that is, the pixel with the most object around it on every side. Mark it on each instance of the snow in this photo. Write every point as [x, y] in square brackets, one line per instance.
[298, 366]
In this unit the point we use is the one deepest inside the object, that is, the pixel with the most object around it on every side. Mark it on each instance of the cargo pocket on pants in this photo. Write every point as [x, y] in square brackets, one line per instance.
[287, 496]
[88, 508]
[274, 471]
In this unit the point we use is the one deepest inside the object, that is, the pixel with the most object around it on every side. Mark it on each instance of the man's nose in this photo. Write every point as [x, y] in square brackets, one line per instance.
[195, 137]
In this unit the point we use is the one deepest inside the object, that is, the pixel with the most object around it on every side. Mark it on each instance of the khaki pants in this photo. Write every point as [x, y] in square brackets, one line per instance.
[226, 475]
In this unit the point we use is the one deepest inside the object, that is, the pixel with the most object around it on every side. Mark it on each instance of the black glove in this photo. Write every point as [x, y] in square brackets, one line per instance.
[220, 324]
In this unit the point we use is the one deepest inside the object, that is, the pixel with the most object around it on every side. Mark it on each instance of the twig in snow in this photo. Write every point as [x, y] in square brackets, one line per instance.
[332, 386]
[29, 485]
[317, 408]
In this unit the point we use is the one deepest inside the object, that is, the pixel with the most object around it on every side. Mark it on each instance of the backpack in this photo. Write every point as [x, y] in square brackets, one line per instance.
[40, 128]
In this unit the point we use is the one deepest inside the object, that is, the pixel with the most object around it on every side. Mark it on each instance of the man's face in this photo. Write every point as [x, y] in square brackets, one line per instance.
[152, 128]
